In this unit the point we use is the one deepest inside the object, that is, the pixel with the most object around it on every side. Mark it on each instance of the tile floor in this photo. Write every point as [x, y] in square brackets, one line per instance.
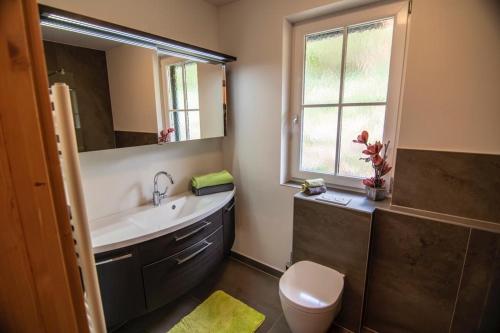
[251, 286]
[246, 283]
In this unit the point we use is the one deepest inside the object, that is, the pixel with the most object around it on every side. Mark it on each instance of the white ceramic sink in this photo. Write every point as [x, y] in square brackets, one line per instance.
[147, 222]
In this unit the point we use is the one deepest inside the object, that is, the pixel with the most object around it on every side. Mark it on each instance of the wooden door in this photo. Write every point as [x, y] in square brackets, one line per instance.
[39, 279]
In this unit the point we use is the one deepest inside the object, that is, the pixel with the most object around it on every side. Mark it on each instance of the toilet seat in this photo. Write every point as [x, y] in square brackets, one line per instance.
[311, 287]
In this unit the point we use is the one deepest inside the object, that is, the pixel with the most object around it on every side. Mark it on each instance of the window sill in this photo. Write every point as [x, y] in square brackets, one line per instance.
[358, 200]
[298, 184]
[291, 183]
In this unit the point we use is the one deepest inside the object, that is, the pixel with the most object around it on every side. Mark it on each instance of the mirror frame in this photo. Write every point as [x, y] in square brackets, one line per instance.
[69, 20]
[65, 20]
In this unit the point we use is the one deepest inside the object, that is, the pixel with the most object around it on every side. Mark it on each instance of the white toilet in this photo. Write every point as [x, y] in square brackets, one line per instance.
[311, 296]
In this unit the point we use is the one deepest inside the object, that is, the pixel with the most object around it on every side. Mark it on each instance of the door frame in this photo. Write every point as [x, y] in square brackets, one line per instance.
[39, 276]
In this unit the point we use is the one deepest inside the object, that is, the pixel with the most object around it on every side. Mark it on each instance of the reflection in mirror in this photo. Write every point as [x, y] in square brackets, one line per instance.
[193, 97]
[125, 95]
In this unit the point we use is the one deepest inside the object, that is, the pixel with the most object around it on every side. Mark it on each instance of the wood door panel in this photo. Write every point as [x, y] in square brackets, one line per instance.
[41, 289]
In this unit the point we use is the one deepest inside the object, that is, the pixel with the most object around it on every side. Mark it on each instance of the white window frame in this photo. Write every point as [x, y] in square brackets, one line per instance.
[397, 10]
[166, 82]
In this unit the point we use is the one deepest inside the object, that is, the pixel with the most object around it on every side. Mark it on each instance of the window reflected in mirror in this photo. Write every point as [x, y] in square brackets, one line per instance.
[193, 95]
[183, 100]
[126, 95]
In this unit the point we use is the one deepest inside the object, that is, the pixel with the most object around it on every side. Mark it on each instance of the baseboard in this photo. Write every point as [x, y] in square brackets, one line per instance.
[258, 265]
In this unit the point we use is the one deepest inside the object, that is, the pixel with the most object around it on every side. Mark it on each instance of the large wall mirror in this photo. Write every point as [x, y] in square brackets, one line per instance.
[129, 88]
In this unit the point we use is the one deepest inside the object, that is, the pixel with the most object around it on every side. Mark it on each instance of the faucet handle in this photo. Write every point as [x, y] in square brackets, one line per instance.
[157, 196]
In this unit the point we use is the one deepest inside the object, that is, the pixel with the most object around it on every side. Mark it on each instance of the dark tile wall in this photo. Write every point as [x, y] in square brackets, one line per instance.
[86, 73]
[461, 184]
[415, 268]
[132, 139]
[423, 275]
[338, 238]
[478, 302]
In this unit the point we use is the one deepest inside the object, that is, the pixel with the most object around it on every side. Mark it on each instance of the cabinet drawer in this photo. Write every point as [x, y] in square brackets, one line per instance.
[120, 282]
[165, 246]
[169, 278]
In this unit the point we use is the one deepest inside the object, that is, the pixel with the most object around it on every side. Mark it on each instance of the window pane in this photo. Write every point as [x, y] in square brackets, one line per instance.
[319, 137]
[355, 119]
[192, 85]
[322, 67]
[178, 122]
[367, 62]
[194, 125]
[176, 89]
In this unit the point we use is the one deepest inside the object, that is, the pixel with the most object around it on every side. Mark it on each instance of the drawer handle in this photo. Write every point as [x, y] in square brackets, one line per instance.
[125, 256]
[230, 208]
[194, 254]
[179, 238]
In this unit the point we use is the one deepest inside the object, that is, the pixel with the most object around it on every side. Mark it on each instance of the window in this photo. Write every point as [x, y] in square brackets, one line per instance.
[183, 101]
[345, 78]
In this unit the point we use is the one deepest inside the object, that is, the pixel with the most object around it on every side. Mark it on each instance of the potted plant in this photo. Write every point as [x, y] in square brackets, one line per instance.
[375, 186]
[165, 134]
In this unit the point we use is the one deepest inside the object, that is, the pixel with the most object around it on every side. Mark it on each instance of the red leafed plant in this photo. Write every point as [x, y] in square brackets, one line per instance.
[165, 134]
[377, 159]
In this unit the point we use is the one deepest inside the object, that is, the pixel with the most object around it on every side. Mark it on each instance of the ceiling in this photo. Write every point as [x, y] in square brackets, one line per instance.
[220, 2]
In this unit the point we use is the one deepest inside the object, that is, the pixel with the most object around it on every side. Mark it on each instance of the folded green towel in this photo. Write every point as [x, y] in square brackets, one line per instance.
[212, 179]
[317, 182]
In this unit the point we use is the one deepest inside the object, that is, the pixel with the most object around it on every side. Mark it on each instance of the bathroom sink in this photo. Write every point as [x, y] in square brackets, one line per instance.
[147, 222]
[162, 216]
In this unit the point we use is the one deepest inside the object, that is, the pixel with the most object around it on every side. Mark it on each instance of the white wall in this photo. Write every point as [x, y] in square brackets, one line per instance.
[192, 21]
[252, 30]
[452, 87]
[118, 179]
[210, 80]
[450, 101]
[133, 87]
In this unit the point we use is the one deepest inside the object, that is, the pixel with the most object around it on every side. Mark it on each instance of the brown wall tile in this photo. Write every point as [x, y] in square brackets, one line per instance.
[335, 237]
[132, 139]
[478, 303]
[86, 73]
[461, 184]
[414, 273]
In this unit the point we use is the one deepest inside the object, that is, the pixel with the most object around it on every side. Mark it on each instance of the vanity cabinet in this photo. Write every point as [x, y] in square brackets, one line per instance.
[228, 217]
[120, 282]
[162, 247]
[142, 277]
[171, 277]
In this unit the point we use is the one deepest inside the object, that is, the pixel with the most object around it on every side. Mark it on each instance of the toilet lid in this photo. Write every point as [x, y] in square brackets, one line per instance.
[311, 287]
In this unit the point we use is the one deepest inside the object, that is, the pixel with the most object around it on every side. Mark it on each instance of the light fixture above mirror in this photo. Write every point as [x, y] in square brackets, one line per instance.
[60, 19]
[131, 88]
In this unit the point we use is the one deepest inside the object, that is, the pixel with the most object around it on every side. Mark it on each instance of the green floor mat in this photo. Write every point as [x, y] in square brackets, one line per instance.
[220, 313]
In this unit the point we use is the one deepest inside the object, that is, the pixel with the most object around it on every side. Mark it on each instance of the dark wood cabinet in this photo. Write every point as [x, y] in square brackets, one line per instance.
[165, 246]
[145, 276]
[228, 218]
[171, 277]
[120, 282]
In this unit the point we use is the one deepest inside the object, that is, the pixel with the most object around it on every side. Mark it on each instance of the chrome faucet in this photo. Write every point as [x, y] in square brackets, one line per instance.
[157, 196]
